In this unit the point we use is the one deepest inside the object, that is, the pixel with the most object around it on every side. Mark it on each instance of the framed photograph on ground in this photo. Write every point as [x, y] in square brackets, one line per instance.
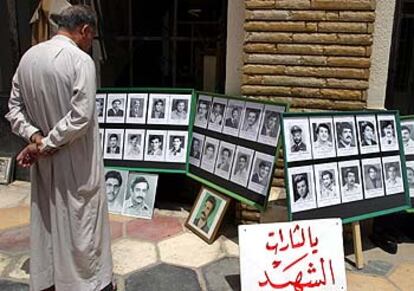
[177, 146]
[114, 143]
[242, 165]
[155, 145]
[368, 138]
[115, 108]
[327, 184]
[196, 149]
[203, 111]
[101, 107]
[134, 144]
[179, 113]
[302, 186]
[225, 160]
[388, 134]
[323, 142]
[216, 117]
[297, 141]
[410, 177]
[251, 121]
[407, 134]
[270, 125]
[207, 214]
[350, 181]
[208, 159]
[261, 173]
[372, 175]
[346, 136]
[6, 167]
[392, 175]
[137, 108]
[140, 196]
[158, 107]
[232, 121]
[115, 185]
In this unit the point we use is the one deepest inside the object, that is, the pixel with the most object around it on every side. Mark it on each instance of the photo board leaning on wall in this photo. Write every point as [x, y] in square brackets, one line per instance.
[344, 164]
[407, 135]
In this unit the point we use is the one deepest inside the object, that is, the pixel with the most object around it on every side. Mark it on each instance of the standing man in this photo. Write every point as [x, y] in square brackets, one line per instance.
[52, 106]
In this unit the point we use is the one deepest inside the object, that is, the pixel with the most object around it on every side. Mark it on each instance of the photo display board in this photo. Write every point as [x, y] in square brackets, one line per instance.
[407, 134]
[344, 164]
[234, 145]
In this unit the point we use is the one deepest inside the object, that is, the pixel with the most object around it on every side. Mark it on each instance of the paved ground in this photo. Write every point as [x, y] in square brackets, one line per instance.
[162, 254]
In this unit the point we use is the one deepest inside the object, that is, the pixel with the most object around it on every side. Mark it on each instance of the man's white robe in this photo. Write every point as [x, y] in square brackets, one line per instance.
[54, 92]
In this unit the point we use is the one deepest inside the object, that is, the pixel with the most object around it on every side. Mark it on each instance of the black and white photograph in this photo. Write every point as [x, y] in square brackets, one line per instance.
[202, 111]
[158, 108]
[250, 121]
[323, 141]
[327, 184]
[216, 117]
[196, 149]
[134, 144]
[232, 120]
[209, 157]
[351, 181]
[140, 196]
[270, 125]
[368, 134]
[372, 177]
[297, 139]
[155, 145]
[346, 136]
[388, 133]
[137, 108]
[6, 165]
[224, 160]
[177, 146]
[116, 184]
[179, 112]
[242, 165]
[102, 137]
[100, 107]
[115, 108]
[410, 177]
[392, 175]
[261, 173]
[114, 143]
[407, 134]
[301, 188]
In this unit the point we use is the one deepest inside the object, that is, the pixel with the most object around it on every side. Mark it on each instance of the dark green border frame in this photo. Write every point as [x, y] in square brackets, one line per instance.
[350, 113]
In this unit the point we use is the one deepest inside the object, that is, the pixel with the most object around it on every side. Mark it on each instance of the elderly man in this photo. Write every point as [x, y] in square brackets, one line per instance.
[52, 106]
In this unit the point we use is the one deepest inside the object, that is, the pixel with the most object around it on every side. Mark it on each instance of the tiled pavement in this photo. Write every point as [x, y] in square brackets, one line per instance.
[161, 254]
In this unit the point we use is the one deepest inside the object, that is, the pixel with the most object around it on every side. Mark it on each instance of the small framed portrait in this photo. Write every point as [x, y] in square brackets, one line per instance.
[137, 108]
[140, 195]
[155, 145]
[207, 213]
[368, 138]
[251, 121]
[346, 136]
[209, 156]
[327, 184]
[350, 181]
[177, 146]
[6, 169]
[242, 166]
[297, 139]
[115, 108]
[261, 174]
[158, 107]
[372, 176]
[196, 149]
[216, 117]
[410, 177]
[134, 144]
[388, 133]
[270, 125]
[232, 120]
[114, 143]
[301, 189]
[180, 109]
[203, 111]
[101, 107]
[115, 186]
[224, 160]
[323, 142]
[407, 134]
[392, 175]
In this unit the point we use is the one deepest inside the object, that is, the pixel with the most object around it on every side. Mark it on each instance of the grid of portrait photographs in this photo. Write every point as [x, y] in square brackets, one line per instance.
[407, 134]
[234, 144]
[338, 163]
[130, 193]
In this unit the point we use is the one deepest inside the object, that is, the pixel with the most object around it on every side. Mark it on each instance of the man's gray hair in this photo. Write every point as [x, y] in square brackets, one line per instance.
[74, 16]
